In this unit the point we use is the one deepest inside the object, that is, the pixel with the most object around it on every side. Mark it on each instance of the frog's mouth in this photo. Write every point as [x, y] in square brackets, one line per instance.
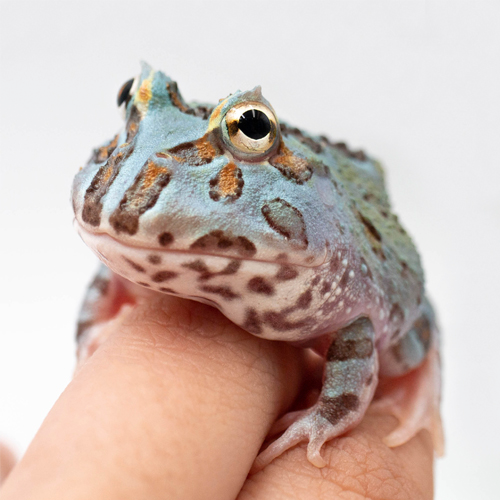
[215, 244]
[234, 285]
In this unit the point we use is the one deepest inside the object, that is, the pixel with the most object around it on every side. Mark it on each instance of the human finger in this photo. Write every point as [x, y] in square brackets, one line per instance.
[174, 404]
[359, 465]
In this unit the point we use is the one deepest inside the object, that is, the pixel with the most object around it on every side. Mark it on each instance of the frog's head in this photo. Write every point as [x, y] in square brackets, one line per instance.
[195, 181]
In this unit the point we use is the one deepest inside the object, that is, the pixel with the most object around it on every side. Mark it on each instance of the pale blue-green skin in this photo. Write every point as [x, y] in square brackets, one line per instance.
[354, 242]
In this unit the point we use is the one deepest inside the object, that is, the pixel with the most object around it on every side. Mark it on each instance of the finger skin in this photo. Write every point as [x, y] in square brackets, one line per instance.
[360, 466]
[7, 461]
[174, 404]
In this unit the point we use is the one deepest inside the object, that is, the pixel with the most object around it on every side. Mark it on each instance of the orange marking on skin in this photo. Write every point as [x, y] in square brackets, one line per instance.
[107, 174]
[152, 173]
[205, 149]
[214, 117]
[228, 180]
[288, 159]
[144, 94]
[163, 155]
[296, 166]
[105, 151]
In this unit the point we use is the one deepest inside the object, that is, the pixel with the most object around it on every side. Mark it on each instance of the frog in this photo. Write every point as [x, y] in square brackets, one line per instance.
[290, 235]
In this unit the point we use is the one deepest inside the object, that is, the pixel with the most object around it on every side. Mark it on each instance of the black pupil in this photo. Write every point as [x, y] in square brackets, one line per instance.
[124, 93]
[254, 124]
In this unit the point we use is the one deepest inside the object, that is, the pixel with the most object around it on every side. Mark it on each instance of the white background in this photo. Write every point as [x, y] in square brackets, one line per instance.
[416, 83]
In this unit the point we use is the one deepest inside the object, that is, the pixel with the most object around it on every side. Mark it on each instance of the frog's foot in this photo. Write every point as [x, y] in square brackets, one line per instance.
[316, 426]
[350, 379]
[414, 400]
[286, 421]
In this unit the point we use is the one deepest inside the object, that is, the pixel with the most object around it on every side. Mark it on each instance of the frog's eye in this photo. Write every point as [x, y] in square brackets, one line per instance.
[250, 129]
[126, 92]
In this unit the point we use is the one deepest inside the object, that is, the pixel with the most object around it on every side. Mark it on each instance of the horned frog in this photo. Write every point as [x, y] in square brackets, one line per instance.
[289, 235]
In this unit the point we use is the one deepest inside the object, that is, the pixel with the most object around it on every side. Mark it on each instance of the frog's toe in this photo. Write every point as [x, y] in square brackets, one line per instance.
[311, 425]
[305, 427]
[414, 400]
[286, 421]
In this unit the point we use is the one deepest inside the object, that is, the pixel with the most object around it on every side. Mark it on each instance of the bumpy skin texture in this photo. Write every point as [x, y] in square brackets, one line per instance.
[296, 243]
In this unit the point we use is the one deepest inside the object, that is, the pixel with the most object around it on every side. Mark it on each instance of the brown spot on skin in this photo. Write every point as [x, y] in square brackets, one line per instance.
[286, 273]
[198, 265]
[154, 259]
[396, 318]
[196, 153]
[105, 176]
[286, 220]
[140, 197]
[205, 274]
[312, 144]
[369, 380]
[335, 409]
[166, 290]
[176, 97]
[162, 276]
[326, 287]
[291, 166]
[100, 284]
[200, 111]
[344, 349]
[104, 152]
[228, 184]
[81, 327]
[370, 228]
[344, 149]
[224, 291]
[304, 300]
[252, 323]
[133, 123]
[134, 265]
[210, 243]
[373, 235]
[279, 322]
[142, 283]
[260, 285]
[165, 239]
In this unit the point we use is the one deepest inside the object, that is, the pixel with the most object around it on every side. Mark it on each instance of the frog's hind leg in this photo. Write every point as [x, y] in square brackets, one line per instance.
[414, 397]
[105, 297]
[350, 380]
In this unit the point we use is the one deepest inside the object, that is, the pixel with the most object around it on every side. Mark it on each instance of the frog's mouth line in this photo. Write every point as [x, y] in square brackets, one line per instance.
[105, 239]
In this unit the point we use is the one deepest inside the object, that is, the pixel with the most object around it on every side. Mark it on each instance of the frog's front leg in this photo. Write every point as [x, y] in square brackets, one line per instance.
[105, 297]
[350, 380]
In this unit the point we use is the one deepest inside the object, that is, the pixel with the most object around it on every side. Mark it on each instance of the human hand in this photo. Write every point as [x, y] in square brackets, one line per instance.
[176, 404]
